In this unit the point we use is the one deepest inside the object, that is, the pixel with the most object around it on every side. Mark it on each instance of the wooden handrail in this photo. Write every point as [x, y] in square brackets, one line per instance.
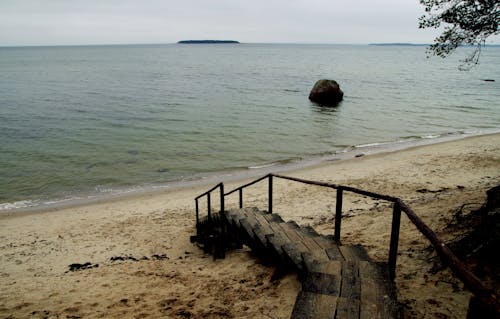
[209, 191]
[209, 204]
[472, 283]
[337, 186]
[248, 184]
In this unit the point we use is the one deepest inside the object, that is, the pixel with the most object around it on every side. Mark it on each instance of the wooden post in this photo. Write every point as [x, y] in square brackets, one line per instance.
[222, 198]
[197, 212]
[338, 214]
[270, 204]
[241, 197]
[393, 250]
[209, 209]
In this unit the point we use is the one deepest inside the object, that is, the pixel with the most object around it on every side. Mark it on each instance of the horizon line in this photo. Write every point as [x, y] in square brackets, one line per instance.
[239, 43]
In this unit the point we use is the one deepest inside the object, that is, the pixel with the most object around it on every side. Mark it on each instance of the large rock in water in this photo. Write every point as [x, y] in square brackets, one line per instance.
[326, 92]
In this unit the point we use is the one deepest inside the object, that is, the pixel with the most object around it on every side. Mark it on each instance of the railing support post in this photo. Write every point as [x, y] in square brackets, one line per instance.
[222, 198]
[270, 204]
[209, 209]
[393, 249]
[241, 197]
[338, 214]
[197, 213]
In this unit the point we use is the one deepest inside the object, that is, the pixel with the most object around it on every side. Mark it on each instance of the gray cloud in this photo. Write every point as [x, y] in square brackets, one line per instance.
[48, 22]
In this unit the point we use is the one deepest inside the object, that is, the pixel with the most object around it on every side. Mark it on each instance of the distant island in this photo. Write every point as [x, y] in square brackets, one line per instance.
[206, 41]
[423, 44]
[399, 44]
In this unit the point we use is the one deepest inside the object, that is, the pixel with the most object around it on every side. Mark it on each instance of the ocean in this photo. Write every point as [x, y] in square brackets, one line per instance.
[84, 121]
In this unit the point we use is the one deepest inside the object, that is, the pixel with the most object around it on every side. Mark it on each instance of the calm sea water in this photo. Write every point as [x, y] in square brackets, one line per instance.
[76, 121]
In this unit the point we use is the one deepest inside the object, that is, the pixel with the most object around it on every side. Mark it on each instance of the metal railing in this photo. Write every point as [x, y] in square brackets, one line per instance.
[472, 283]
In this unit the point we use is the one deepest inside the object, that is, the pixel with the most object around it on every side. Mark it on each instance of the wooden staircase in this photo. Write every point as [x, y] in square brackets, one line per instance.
[337, 281]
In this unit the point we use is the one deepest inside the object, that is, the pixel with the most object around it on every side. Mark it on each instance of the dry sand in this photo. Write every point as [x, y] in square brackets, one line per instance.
[162, 274]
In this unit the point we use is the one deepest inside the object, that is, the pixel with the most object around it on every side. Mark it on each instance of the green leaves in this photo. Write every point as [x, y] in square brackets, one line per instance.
[467, 22]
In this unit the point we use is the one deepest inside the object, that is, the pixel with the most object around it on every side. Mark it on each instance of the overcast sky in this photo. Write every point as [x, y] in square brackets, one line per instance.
[54, 22]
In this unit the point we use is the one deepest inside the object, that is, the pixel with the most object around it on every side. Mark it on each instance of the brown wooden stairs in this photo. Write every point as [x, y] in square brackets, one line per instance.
[337, 281]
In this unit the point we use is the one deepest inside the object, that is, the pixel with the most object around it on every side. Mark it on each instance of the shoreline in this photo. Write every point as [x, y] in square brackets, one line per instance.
[143, 264]
[231, 175]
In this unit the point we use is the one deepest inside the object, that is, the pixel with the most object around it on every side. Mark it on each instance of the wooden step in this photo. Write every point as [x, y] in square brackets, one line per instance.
[337, 281]
[349, 302]
[354, 253]
[377, 292]
[310, 305]
[272, 218]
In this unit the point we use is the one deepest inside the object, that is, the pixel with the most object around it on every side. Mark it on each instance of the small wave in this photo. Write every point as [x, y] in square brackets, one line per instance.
[372, 144]
[17, 205]
[290, 160]
[430, 136]
[263, 165]
[37, 203]
[416, 138]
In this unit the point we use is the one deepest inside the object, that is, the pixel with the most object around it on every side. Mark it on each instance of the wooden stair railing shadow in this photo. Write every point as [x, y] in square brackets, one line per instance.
[337, 281]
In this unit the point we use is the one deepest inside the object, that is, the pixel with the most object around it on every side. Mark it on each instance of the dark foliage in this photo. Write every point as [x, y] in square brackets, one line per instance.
[466, 22]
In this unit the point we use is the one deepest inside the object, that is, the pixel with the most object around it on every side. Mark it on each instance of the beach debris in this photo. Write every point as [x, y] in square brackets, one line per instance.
[326, 93]
[163, 170]
[123, 258]
[40, 314]
[77, 267]
[89, 265]
[130, 258]
[425, 190]
[159, 257]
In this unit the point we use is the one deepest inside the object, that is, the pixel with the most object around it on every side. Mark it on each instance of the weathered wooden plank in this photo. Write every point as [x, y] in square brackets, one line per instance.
[321, 283]
[260, 236]
[290, 231]
[278, 230]
[294, 255]
[376, 297]
[274, 252]
[310, 231]
[325, 242]
[253, 210]
[265, 223]
[234, 215]
[334, 253]
[260, 230]
[293, 224]
[322, 276]
[315, 249]
[297, 234]
[318, 244]
[246, 234]
[251, 219]
[312, 264]
[314, 306]
[336, 280]
[275, 218]
[275, 247]
[349, 301]
[308, 261]
[347, 308]
[355, 252]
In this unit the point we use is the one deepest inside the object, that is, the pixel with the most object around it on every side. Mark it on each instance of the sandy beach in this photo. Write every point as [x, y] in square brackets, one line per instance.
[140, 263]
